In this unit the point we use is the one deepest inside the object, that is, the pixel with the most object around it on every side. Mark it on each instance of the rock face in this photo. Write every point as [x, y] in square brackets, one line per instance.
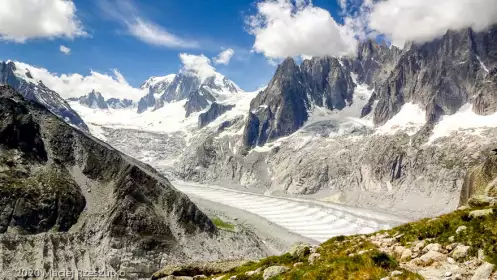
[327, 82]
[38, 92]
[280, 109]
[481, 182]
[213, 113]
[146, 102]
[90, 206]
[94, 100]
[442, 76]
[198, 100]
[374, 62]
[116, 103]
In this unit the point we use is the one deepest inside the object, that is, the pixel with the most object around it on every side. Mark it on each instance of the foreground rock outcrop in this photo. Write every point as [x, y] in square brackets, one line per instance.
[70, 202]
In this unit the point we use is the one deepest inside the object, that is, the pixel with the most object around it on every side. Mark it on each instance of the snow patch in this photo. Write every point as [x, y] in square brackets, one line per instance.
[409, 119]
[483, 65]
[464, 119]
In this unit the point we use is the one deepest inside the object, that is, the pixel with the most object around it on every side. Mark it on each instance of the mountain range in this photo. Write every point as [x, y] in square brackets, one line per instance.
[389, 128]
[396, 106]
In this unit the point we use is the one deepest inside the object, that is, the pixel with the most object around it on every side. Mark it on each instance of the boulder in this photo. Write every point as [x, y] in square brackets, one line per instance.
[398, 250]
[480, 213]
[396, 273]
[254, 272]
[460, 252]
[429, 258]
[418, 246]
[298, 264]
[461, 229]
[300, 250]
[480, 201]
[313, 258]
[483, 272]
[406, 255]
[432, 247]
[274, 271]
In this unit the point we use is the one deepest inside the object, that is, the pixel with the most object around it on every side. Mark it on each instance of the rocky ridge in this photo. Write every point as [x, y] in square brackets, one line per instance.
[95, 100]
[22, 81]
[72, 202]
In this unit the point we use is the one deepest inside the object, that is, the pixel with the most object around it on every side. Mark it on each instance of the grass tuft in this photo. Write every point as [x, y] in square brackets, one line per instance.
[220, 224]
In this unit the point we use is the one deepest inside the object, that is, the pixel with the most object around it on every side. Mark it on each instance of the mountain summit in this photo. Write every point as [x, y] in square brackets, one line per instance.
[176, 87]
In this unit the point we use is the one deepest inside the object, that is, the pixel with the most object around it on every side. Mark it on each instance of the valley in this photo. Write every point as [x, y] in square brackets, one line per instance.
[189, 173]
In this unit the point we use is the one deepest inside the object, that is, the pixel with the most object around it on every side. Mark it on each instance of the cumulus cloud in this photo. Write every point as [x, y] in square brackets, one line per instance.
[125, 12]
[76, 85]
[285, 28]
[64, 49]
[424, 20]
[32, 19]
[419, 21]
[197, 64]
[224, 57]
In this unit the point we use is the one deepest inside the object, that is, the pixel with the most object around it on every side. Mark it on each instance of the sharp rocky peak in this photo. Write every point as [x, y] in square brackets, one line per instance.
[440, 76]
[282, 108]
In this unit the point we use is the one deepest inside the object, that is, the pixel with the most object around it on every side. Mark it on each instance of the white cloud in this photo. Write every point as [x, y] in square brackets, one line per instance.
[76, 85]
[224, 57]
[125, 12]
[285, 28]
[22, 20]
[151, 33]
[64, 49]
[197, 64]
[424, 20]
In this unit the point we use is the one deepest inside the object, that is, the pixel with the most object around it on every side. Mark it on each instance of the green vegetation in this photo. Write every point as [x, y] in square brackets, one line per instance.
[480, 232]
[355, 257]
[220, 224]
[341, 258]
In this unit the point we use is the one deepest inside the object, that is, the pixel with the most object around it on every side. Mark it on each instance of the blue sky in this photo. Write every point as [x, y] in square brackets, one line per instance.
[213, 24]
[155, 38]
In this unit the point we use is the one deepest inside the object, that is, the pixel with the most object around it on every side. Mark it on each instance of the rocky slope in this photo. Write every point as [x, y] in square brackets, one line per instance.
[22, 81]
[450, 247]
[70, 202]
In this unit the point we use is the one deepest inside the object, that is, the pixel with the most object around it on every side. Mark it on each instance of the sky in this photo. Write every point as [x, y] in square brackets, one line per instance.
[128, 41]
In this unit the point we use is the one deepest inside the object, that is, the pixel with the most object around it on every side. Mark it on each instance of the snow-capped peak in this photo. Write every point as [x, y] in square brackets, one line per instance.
[153, 81]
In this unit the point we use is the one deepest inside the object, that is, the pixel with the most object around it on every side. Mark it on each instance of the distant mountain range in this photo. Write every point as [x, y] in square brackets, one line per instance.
[95, 100]
[185, 86]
